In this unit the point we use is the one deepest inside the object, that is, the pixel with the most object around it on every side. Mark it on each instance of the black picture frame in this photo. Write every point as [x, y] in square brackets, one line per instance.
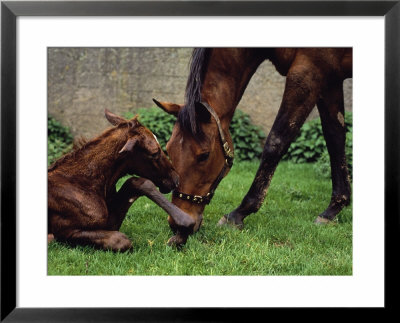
[10, 10]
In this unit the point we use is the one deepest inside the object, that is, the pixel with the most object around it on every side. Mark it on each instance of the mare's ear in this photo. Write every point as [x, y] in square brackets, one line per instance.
[113, 118]
[170, 108]
[130, 143]
[202, 113]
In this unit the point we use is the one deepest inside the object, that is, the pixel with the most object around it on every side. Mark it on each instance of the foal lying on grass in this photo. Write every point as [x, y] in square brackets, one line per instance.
[84, 207]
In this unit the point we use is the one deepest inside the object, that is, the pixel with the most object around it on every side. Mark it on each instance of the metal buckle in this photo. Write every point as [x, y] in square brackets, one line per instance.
[227, 149]
[198, 199]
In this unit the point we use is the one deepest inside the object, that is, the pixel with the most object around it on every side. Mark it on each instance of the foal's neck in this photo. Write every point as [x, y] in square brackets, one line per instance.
[101, 160]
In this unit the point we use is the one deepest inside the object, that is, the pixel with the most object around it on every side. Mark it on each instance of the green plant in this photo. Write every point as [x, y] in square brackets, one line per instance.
[59, 140]
[310, 146]
[247, 138]
[159, 122]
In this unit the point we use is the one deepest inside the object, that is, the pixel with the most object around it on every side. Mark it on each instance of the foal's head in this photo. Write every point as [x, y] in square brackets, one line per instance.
[142, 153]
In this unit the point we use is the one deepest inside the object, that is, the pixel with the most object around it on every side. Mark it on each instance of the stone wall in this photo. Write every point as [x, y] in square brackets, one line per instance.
[82, 82]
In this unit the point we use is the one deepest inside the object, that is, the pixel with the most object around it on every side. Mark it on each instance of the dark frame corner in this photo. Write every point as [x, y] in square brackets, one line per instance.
[10, 10]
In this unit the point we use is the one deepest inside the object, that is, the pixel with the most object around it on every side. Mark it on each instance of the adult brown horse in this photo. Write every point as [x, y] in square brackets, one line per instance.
[201, 146]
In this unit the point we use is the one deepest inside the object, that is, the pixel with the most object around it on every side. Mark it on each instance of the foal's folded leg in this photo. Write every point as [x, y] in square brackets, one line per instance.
[80, 217]
[102, 239]
[135, 187]
[181, 219]
[119, 203]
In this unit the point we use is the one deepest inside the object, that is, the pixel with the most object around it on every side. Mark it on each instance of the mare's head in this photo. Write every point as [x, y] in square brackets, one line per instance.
[142, 153]
[198, 158]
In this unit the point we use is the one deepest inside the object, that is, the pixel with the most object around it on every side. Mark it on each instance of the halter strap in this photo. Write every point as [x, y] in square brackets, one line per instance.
[228, 154]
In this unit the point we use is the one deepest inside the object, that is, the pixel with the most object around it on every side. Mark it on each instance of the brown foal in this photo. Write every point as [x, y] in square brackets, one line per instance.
[84, 207]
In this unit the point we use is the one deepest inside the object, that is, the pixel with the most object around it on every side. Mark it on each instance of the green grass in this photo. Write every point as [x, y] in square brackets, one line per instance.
[280, 239]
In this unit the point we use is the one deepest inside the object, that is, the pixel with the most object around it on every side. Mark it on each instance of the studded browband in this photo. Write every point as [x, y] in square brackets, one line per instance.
[228, 154]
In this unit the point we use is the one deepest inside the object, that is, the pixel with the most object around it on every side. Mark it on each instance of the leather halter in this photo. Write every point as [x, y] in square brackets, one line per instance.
[228, 154]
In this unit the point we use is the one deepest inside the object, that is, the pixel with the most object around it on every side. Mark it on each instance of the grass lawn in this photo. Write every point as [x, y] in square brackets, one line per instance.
[280, 239]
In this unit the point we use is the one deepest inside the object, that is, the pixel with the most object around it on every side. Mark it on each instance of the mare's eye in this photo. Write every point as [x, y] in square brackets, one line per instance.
[203, 157]
[156, 154]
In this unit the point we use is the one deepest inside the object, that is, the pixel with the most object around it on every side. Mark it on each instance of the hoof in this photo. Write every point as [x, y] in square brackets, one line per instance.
[224, 221]
[320, 220]
[50, 237]
[176, 241]
[118, 242]
[183, 220]
[123, 246]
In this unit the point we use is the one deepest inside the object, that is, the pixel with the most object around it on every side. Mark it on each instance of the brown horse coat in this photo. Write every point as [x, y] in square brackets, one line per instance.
[218, 77]
[83, 205]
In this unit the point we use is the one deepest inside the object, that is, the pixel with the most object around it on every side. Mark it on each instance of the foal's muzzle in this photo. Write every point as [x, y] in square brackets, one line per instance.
[170, 183]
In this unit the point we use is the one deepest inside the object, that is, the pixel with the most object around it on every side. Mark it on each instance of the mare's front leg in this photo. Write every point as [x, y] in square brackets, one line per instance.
[300, 95]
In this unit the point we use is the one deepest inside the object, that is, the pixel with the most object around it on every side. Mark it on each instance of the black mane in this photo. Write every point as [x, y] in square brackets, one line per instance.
[187, 115]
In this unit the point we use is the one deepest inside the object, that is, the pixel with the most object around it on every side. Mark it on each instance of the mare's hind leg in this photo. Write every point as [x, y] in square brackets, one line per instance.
[301, 91]
[331, 110]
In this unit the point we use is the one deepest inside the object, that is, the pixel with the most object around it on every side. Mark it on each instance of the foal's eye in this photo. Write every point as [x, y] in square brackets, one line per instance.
[203, 157]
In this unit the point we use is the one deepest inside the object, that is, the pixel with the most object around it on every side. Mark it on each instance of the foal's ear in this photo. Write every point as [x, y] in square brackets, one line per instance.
[113, 118]
[133, 123]
[131, 142]
[168, 107]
